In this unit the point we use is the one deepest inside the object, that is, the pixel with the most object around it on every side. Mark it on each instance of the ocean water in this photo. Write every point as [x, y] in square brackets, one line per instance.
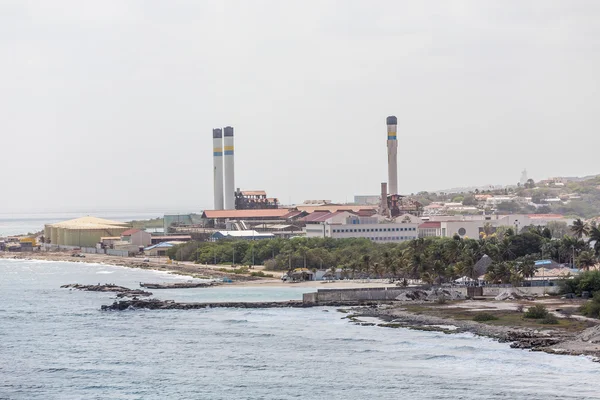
[19, 223]
[56, 344]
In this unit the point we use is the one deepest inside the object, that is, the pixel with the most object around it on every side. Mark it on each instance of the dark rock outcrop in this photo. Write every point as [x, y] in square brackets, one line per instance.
[120, 290]
[178, 285]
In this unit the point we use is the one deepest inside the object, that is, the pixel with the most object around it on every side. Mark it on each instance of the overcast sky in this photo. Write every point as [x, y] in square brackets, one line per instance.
[111, 104]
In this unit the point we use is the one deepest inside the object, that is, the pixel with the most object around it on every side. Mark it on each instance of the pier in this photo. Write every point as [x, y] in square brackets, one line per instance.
[154, 304]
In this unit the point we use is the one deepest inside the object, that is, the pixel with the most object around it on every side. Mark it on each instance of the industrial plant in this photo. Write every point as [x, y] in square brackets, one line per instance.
[240, 210]
[388, 217]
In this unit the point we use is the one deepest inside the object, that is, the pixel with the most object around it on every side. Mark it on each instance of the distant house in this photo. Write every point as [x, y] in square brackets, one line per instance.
[137, 237]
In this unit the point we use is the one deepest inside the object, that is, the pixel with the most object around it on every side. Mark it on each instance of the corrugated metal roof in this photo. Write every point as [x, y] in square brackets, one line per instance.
[334, 208]
[292, 214]
[542, 216]
[161, 245]
[244, 234]
[238, 214]
[275, 226]
[254, 193]
[315, 216]
[366, 213]
[430, 224]
[130, 232]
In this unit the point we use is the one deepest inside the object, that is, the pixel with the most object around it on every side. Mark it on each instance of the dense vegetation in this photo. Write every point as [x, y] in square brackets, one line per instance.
[434, 260]
[588, 281]
[592, 308]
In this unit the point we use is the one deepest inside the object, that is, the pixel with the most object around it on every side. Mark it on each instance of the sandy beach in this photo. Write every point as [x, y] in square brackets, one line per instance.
[273, 278]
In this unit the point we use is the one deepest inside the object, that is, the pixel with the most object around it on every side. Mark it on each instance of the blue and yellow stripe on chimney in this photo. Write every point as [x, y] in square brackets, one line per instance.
[228, 150]
[217, 151]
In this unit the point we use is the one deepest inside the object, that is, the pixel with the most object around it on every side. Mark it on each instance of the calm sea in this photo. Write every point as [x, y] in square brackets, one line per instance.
[56, 344]
[18, 224]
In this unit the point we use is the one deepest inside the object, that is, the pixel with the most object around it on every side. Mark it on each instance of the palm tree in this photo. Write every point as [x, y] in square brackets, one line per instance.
[505, 249]
[586, 260]
[527, 268]
[438, 269]
[366, 261]
[580, 228]
[594, 237]
[389, 265]
[377, 270]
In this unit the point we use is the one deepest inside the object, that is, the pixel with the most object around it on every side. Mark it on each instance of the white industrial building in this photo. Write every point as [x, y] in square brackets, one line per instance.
[472, 226]
[346, 225]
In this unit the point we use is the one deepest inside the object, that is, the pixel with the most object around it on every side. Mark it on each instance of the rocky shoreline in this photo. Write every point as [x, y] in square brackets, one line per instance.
[552, 341]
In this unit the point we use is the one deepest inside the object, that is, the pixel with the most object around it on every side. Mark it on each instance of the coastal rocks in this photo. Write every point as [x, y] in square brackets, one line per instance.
[120, 290]
[513, 294]
[178, 285]
[533, 340]
[155, 304]
[430, 295]
[530, 339]
[590, 335]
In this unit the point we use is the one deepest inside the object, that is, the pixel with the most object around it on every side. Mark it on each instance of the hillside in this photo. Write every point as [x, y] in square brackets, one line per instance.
[573, 197]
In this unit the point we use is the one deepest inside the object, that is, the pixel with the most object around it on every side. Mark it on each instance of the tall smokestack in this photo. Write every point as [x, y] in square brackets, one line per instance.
[383, 205]
[218, 168]
[392, 147]
[229, 168]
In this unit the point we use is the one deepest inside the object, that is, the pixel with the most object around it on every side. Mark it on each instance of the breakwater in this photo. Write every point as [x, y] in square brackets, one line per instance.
[154, 304]
[178, 285]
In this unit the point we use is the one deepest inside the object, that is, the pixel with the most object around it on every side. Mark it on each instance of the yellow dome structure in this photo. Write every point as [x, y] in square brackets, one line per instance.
[82, 232]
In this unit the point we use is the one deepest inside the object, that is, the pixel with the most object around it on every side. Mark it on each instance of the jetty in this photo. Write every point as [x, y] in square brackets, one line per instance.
[155, 304]
[178, 285]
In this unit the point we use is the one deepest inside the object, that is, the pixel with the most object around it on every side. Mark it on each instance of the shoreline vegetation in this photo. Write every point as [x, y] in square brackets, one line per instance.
[572, 335]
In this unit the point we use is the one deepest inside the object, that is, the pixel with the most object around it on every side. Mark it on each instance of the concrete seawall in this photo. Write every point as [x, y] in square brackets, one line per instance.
[390, 293]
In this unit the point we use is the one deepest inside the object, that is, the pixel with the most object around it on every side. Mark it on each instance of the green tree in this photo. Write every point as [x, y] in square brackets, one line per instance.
[586, 259]
[580, 228]
[594, 239]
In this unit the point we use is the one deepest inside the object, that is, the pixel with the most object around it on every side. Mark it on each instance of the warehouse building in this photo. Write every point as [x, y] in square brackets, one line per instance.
[376, 229]
[82, 232]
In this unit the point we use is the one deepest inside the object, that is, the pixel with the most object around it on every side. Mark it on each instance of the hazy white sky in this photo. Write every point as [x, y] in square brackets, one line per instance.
[111, 104]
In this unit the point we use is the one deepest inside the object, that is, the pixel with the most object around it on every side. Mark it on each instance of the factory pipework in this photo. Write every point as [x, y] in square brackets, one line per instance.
[218, 168]
[228, 162]
[392, 148]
